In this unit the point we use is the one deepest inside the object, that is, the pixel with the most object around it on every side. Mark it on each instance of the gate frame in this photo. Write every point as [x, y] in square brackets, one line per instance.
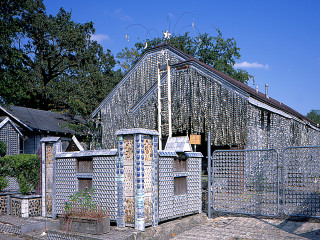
[283, 180]
[211, 192]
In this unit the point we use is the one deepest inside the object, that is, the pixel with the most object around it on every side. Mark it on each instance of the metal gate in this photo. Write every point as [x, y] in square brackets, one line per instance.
[301, 181]
[248, 181]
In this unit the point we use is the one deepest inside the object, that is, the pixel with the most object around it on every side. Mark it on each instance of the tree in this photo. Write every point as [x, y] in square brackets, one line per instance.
[314, 115]
[215, 51]
[49, 62]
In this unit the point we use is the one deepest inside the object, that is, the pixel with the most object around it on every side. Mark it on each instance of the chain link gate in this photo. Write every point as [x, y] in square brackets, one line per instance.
[246, 181]
[301, 181]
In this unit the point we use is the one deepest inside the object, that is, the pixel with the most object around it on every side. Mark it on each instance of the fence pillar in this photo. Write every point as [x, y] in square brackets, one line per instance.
[49, 147]
[137, 178]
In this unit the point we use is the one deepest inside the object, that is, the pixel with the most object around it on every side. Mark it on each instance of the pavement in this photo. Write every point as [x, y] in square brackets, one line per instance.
[198, 227]
[8, 236]
[249, 228]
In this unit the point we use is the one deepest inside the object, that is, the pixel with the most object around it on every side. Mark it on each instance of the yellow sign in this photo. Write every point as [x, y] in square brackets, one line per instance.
[195, 139]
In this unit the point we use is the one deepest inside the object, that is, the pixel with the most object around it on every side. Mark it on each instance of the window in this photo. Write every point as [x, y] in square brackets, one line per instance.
[262, 119]
[180, 163]
[84, 170]
[180, 186]
[84, 165]
[265, 125]
[268, 121]
[85, 184]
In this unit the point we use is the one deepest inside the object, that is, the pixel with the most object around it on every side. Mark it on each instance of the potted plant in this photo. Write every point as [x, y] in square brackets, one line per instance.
[82, 215]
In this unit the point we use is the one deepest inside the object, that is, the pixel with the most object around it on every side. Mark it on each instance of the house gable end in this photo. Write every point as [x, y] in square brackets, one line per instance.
[167, 53]
[7, 120]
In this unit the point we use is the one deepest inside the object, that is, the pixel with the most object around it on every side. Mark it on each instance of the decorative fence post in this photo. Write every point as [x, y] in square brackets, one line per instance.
[49, 147]
[209, 175]
[137, 178]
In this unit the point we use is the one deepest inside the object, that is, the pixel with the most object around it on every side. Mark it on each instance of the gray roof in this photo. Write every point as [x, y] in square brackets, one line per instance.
[35, 119]
[90, 153]
[49, 139]
[137, 131]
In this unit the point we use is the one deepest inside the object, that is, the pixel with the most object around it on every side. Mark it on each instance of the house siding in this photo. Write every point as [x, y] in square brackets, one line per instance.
[11, 138]
[201, 103]
[283, 132]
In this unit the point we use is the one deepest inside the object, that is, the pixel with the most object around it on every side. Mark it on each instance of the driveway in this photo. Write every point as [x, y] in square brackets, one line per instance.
[243, 228]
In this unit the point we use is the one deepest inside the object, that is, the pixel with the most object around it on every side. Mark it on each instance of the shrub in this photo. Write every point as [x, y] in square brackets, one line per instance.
[81, 204]
[24, 185]
[26, 168]
[3, 174]
[3, 183]
[3, 149]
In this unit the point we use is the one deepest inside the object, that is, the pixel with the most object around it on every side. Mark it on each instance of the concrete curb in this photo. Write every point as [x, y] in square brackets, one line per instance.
[165, 230]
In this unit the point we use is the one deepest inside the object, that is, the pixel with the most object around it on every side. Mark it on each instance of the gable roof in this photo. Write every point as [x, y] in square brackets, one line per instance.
[249, 90]
[243, 88]
[40, 120]
[4, 120]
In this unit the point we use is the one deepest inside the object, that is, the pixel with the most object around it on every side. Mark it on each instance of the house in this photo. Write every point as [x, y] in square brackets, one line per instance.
[11, 135]
[203, 100]
[22, 128]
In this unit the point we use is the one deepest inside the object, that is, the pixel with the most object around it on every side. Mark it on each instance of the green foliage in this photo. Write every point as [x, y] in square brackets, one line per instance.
[3, 183]
[314, 115]
[3, 169]
[81, 204]
[3, 149]
[24, 185]
[26, 168]
[50, 62]
[215, 51]
[79, 201]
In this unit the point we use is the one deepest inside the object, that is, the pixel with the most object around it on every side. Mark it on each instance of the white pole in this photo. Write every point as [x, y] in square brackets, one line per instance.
[159, 109]
[169, 99]
[209, 174]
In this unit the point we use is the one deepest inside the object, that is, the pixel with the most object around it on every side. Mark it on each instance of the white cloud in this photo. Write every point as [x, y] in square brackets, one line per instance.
[100, 37]
[120, 14]
[246, 64]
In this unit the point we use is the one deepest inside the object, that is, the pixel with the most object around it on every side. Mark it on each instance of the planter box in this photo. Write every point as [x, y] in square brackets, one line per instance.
[86, 225]
[26, 205]
[4, 202]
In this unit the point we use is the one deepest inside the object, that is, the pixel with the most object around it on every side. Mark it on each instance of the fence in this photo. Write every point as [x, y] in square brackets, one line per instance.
[246, 181]
[301, 181]
[250, 182]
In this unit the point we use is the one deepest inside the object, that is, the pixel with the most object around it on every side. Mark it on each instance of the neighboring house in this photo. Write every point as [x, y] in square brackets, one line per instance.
[22, 128]
[11, 135]
[203, 100]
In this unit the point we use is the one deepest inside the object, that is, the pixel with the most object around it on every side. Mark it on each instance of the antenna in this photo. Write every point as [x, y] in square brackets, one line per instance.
[166, 34]
[181, 17]
[137, 24]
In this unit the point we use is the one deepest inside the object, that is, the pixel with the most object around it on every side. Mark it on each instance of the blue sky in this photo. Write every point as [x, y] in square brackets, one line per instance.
[279, 40]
